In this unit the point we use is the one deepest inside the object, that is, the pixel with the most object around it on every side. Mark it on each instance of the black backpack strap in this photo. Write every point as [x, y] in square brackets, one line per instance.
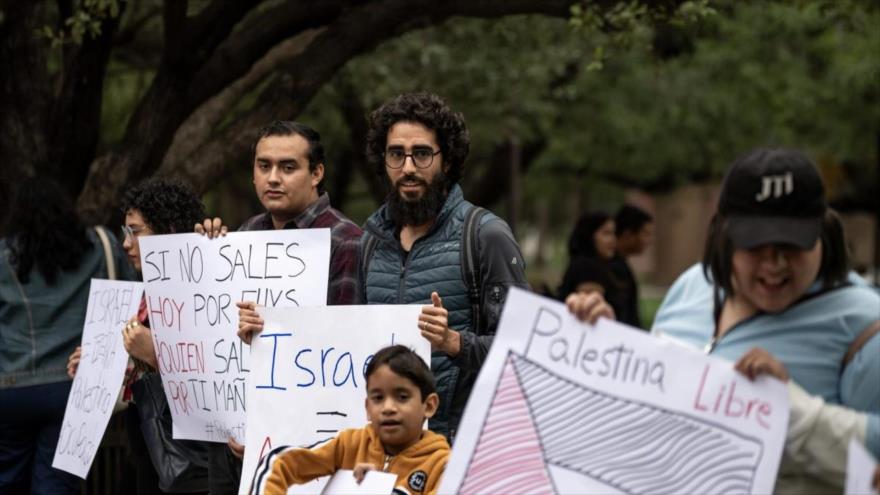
[470, 262]
[369, 245]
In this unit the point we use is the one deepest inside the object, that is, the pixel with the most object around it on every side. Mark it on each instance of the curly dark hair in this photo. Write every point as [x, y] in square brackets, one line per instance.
[429, 110]
[43, 230]
[168, 206]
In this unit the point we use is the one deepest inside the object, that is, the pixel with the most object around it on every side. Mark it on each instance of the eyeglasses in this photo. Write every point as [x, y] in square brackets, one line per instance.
[422, 157]
[131, 233]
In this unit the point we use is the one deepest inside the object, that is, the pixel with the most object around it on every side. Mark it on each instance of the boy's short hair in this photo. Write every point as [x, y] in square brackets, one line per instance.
[406, 363]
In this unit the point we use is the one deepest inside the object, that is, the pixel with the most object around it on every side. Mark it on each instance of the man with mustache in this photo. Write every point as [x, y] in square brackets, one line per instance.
[419, 145]
[288, 178]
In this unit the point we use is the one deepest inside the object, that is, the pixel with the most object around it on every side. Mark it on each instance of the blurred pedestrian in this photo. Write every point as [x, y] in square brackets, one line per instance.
[48, 260]
[634, 228]
[591, 247]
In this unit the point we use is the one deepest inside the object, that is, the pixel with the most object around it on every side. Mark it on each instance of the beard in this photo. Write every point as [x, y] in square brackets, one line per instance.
[404, 211]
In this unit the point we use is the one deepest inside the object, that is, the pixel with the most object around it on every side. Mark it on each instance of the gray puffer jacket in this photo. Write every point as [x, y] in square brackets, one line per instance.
[394, 276]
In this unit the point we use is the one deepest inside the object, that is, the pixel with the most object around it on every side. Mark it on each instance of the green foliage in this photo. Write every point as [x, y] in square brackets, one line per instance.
[655, 103]
[629, 96]
[85, 21]
[624, 22]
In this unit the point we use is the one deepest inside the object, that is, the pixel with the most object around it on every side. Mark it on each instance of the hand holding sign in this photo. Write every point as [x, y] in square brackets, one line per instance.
[211, 228]
[758, 362]
[360, 470]
[138, 342]
[249, 321]
[589, 307]
[73, 362]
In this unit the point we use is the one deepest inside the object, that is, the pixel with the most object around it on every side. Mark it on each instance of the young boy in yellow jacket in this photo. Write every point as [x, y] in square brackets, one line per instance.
[401, 396]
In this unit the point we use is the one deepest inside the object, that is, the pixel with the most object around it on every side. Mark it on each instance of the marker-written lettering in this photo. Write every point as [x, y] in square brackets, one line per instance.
[260, 262]
[722, 399]
[618, 362]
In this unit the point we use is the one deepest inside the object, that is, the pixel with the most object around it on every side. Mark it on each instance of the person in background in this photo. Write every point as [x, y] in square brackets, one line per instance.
[591, 247]
[634, 229]
[288, 173]
[47, 262]
[775, 275]
[419, 145]
[154, 207]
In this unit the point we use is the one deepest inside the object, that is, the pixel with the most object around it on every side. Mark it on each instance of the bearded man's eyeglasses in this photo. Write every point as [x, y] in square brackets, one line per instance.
[422, 157]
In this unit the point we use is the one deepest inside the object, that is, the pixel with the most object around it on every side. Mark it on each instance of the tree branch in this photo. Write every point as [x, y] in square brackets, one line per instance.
[174, 26]
[162, 110]
[199, 127]
[129, 32]
[235, 56]
[214, 23]
[356, 31]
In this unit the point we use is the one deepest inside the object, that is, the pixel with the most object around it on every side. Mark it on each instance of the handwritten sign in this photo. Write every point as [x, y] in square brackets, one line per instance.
[307, 382]
[192, 284]
[610, 409]
[99, 375]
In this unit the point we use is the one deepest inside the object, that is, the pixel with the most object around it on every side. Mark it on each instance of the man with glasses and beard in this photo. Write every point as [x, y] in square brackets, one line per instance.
[411, 249]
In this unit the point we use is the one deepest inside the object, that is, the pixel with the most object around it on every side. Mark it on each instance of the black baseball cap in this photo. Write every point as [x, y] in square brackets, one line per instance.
[773, 196]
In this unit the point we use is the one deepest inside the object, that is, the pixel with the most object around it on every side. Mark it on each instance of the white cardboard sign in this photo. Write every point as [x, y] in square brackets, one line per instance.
[860, 466]
[307, 382]
[374, 483]
[99, 375]
[609, 409]
[192, 284]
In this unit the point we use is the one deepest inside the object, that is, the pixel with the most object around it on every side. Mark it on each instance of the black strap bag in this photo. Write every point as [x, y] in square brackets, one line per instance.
[182, 465]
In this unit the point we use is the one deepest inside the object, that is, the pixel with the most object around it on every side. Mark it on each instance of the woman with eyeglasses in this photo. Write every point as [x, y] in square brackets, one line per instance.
[154, 207]
[47, 260]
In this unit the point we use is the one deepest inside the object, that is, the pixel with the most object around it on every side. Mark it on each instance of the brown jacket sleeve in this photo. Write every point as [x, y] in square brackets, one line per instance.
[296, 466]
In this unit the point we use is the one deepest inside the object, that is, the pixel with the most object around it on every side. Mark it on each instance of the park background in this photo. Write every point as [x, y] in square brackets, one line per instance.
[572, 106]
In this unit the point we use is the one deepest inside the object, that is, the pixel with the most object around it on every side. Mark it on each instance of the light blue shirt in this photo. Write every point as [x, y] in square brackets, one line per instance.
[809, 338]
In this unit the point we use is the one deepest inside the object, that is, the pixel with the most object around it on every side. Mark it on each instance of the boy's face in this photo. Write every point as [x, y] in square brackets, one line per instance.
[396, 409]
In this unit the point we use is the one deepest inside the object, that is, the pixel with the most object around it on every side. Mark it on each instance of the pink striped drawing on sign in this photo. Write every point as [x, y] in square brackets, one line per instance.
[509, 433]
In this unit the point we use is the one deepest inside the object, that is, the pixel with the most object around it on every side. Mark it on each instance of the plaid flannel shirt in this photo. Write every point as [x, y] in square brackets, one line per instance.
[344, 238]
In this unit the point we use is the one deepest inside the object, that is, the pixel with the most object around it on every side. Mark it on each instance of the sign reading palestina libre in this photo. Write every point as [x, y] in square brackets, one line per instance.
[99, 375]
[192, 284]
[307, 382]
[609, 409]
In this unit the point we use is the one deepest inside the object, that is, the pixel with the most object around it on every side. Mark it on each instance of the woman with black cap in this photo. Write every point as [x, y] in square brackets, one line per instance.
[775, 275]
